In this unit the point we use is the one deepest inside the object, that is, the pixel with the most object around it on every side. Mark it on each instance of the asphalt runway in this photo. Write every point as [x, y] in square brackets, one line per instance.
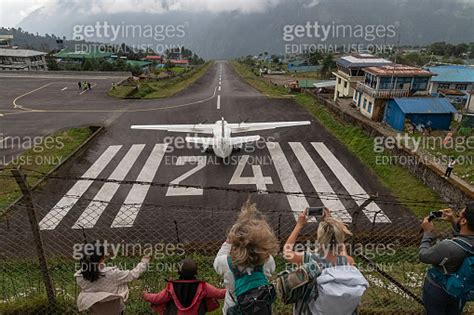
[298, 166]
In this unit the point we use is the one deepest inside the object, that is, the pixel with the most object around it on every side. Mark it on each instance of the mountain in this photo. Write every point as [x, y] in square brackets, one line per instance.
[229, 33]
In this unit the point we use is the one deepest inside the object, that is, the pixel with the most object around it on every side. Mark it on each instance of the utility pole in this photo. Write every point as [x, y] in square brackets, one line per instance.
[28, 200]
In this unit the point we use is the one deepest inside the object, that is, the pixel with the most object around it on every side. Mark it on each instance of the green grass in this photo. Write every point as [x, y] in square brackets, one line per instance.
[397, 179]
[41, 158]
[257, 82]
[161, 88]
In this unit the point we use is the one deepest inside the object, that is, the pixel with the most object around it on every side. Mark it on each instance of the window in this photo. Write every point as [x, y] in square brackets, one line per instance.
[345, 84]
[402, 82]
[365, 103]
[370, 108]
[420, 83]
[386, 83]
[461, 87]
[339, 81]
[443, 86]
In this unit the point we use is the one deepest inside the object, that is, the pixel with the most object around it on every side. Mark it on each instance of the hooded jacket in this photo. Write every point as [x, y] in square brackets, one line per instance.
[185, 297]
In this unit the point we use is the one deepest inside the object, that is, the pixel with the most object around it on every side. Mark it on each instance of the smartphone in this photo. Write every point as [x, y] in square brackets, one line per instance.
[435, 215]
[315, 211]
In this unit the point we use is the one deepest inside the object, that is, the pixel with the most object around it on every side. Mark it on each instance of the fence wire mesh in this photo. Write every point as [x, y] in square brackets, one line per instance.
[386, 253]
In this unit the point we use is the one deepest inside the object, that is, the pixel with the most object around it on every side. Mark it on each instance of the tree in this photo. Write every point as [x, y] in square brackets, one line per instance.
[328, 64]
[52, 63]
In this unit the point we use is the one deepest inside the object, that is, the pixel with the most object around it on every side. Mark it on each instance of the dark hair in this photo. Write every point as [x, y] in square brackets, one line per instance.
[188, 269]
[469, 215]
[90, 261]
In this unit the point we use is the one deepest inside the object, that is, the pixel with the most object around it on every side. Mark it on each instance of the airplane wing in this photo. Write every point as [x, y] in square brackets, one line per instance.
[197, 128]
[245, 127]
[209, 142]
[241, 140]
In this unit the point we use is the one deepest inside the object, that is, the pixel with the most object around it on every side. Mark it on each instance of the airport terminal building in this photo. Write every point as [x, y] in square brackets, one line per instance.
[22, 59]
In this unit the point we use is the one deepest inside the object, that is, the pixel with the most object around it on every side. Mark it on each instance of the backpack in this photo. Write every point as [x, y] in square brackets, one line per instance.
[340, 289]
[460, 284]
[295, 286]
[255, 295]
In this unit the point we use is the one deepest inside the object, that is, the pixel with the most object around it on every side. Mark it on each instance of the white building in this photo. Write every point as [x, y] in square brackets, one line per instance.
[22, 59]
[350, 71]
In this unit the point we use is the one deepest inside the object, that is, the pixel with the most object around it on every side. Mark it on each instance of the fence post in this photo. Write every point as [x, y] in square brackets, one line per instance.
[48, 283]
[177, 231]
[279, 227]
[357, 213]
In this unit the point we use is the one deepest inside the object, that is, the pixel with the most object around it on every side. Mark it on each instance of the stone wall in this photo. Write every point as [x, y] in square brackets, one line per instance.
[451, 190]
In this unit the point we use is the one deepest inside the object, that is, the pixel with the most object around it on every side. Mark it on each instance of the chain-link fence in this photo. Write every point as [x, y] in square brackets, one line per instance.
[386, 253]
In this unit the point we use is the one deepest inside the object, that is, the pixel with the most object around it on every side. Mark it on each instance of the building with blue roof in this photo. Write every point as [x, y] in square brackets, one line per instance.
[452, 77]
[433, 112]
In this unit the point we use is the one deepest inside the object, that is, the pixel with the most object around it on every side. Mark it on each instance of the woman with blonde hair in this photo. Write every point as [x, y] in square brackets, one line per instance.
[331, 236]
[245, 261]
[338, 285]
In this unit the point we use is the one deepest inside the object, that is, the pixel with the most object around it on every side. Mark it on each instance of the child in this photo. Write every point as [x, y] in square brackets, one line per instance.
[186, 296]
[104, 289]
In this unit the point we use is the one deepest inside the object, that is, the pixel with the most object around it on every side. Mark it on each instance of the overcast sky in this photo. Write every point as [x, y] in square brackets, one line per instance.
[13, 11]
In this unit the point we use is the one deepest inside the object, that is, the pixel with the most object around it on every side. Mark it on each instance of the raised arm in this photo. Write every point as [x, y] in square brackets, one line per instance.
[289, 254]
[125, 276]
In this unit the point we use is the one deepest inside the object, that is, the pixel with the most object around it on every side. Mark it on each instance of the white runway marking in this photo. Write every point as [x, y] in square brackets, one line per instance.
[187, 191]
[64, 88]
[127, 214]
[258, 179]
[218, 102]
[287, 177]
[349, 183]
[95, 208]
[61, 209]
[219, 88]
[319, 182]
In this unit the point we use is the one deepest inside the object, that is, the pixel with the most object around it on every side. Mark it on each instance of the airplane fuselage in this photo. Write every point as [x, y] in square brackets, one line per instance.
[222, 145]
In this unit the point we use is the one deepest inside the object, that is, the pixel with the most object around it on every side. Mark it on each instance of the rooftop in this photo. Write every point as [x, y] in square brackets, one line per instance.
[397, 70]
[362, 61]
[153, 57]
[78, 54]
[424, 105]
[20, 52]
[453, 74]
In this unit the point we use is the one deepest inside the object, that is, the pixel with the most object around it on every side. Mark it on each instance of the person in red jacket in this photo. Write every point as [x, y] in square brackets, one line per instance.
[186, 296]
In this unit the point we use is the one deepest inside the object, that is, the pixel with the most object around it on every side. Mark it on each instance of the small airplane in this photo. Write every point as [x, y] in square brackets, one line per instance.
[222, 143]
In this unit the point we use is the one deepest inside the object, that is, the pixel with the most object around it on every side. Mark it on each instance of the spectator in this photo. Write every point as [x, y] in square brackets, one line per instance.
[79, 84]
[450, 167]
[446, 257]
[330, 236]
[88, 85]
[331, 251]
[186, 296]
[104, 289]
[248, 251]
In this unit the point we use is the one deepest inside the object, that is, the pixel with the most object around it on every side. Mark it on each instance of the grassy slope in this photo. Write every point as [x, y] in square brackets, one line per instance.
[163, 88]
[40, 159]
[397, 179]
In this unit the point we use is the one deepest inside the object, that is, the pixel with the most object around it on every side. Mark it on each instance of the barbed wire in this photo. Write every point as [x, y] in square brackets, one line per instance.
[317, 194]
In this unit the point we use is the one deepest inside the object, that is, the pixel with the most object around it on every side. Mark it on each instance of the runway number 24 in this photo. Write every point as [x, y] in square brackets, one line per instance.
[257, 179]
